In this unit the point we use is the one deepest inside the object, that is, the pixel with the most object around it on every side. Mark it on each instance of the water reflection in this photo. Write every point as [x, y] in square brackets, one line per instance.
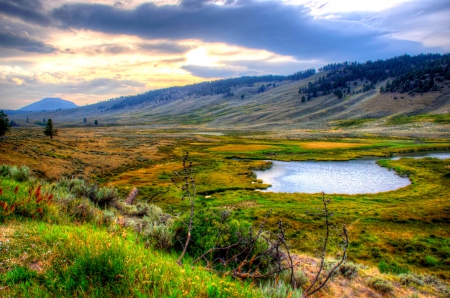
[344, 177]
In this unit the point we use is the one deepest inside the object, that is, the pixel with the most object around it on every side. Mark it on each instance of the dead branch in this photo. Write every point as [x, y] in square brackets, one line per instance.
[324, 246]
[129, 200]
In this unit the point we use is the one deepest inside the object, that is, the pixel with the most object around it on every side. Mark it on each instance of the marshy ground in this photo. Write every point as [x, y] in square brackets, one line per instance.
[401, 231]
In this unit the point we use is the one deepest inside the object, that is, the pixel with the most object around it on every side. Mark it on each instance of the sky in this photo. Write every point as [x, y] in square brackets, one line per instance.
[88, 51]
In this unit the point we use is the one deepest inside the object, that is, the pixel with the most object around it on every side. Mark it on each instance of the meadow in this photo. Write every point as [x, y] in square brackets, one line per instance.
[405, 231]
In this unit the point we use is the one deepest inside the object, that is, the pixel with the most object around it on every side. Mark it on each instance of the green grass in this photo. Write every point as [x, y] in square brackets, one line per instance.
[439, 118]
[353, 122]
[399, 227]
[88, 260]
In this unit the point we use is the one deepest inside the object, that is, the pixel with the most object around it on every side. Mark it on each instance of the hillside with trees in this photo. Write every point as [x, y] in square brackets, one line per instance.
[369, 96]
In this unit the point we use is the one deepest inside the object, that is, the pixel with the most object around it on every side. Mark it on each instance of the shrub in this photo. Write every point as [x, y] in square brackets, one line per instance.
[411, 279]
[349, 270]
[380, 285]
[105, 196]
[279, 289]
[4, 170]
[83, 209]
[391, 267]
[109, 216]
[160, 235]
[21, 174]
[431, 261]
[300, 277]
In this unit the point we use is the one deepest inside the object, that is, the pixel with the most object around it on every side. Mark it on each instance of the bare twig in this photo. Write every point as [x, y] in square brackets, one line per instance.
[324, 246]
[189, 192]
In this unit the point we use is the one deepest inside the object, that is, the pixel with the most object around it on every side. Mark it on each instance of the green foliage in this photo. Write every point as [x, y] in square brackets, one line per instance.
[214, 228]
[349, 270]
[381, 285]
[391, 267]
[353, 122]
[49, 130]
[4, 170]
[24, 201]
[431, 261]
[105, 196]
[91, 269]
[21, 174]
[5, 125]
[18, 274]
[88, 261]
[280, 289]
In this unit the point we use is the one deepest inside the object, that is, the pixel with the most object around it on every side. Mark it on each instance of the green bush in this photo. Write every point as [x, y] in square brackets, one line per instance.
[300, 277]
[380, 285]
[431, 261]
[349, 270]
[4, 170]
[279, 289]
[411, 279]
[215, 228]
[159, 234]
[21, 174]
[105, 196]
[391, 267]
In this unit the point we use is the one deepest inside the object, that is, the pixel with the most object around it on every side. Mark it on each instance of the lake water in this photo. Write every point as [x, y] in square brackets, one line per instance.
[344, 177]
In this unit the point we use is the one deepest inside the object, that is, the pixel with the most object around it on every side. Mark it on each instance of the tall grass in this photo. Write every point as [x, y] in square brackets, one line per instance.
[89, 261]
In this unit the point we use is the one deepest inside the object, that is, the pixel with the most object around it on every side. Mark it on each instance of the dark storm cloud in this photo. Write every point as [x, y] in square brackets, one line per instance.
[24, 42]
[30, 11]
[271, 25]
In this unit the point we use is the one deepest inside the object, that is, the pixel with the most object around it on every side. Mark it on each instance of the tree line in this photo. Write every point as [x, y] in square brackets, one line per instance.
[413, 74]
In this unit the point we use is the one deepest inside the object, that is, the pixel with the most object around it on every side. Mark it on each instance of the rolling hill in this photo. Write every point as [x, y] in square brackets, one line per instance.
[409, 94]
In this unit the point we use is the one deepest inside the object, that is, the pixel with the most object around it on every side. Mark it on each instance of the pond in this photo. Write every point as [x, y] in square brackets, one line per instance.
[358, 176]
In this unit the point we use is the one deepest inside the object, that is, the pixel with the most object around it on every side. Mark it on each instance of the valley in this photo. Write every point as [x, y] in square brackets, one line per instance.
[231, 128]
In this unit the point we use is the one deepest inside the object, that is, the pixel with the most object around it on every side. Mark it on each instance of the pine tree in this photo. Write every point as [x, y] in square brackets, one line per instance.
[4, 124]
[96, 122]
[49, 131]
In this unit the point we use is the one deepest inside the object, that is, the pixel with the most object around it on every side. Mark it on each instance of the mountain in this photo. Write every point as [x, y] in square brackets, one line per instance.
[49, 104]
[402, 95]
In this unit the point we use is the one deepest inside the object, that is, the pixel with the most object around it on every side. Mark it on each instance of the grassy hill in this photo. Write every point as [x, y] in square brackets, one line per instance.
[241, 104]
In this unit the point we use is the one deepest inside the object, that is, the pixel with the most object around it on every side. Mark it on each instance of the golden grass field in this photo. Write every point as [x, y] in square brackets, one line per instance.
[380, 224]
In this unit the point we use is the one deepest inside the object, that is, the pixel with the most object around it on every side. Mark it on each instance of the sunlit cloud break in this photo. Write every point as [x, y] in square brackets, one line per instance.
[94, 50]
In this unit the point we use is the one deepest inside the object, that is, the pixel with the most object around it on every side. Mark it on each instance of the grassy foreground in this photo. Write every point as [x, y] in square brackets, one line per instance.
[50, 248]
[47, 260]
[402, 236]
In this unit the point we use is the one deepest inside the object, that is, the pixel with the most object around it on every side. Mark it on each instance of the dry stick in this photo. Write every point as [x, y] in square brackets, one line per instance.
[324, 247]
[157, 193]
[189, 188]
[344, 256]
[131, 196]
[293, 282]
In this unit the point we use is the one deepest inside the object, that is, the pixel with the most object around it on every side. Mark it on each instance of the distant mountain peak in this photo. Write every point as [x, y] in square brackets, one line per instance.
[49, 104]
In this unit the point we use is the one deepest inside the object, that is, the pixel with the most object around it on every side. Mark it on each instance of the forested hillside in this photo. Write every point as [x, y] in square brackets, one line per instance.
[371, 96]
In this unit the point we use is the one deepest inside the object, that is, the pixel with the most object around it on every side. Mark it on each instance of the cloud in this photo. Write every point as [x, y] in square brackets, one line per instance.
[24, 42]
[30, 11]
[165, 47]
[272, 25]
[209, 72]
[21, 90]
